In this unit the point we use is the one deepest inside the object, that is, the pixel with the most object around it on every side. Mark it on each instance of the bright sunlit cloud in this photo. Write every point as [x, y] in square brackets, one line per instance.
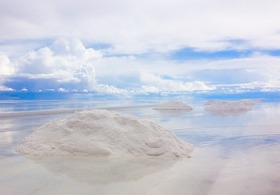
[6, 67]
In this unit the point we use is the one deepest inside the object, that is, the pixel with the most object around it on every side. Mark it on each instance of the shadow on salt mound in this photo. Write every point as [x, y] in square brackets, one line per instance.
[173, 106]
[101, 133]
[103, 170]
[225, 108]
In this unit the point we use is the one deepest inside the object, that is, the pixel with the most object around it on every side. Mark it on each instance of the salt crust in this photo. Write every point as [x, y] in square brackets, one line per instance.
[173, 105]
[230, 107]
[102, 133]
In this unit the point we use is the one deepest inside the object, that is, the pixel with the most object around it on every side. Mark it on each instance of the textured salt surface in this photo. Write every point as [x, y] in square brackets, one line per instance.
[102, 133]
[230, 107]
[173, 105]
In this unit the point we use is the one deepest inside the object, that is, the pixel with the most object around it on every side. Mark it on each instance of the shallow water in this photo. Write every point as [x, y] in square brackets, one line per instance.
[237, 154]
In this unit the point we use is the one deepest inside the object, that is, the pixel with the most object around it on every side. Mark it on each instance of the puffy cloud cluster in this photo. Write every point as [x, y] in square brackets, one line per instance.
[65, 60]
[65, 64]
[6, 68]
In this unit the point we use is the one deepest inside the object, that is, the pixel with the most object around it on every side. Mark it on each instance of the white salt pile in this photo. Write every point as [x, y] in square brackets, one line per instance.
[102, 133]
[230, 107]
[173, 105]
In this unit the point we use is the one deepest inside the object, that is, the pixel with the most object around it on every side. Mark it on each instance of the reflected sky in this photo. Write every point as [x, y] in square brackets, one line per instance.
[196, 126]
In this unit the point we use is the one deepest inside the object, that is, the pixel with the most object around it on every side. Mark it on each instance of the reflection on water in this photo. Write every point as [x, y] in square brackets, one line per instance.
[6, 137]
[102, 171]
[173, 112]
[233, 155]
[247, 142]
[29, 105]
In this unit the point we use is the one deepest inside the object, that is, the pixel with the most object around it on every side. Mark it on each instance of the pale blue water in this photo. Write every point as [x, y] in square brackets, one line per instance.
[237, 146]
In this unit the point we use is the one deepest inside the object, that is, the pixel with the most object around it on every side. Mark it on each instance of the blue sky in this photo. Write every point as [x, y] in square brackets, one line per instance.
[138, 47]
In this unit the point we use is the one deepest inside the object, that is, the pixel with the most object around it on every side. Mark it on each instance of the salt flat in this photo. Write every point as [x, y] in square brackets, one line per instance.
[234, 154]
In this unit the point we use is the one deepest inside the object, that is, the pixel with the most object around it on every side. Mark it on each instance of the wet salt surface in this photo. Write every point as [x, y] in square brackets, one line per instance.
[233, 155]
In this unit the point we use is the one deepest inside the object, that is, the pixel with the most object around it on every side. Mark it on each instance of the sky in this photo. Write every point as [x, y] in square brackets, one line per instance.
[140, 47]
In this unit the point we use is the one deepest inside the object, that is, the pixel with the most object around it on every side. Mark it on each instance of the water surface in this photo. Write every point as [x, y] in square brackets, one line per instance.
[238, 154]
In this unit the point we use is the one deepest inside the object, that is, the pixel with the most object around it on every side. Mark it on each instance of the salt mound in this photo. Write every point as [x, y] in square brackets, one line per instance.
[102, 133]
[230, 107]
[173, 105]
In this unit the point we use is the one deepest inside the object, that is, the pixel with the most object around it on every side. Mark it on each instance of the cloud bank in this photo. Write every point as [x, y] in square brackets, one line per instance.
[147, 25]
[66, 65]
[144, 46]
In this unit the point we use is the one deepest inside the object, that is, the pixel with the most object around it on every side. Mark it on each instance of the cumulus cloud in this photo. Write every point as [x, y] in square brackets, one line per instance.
[155, 84]
[6, 68]
[65, 65]
[65, 57]
[65, 61]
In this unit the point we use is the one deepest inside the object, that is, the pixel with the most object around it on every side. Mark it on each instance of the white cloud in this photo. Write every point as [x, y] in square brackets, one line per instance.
[184, 74]
[109, 89]
[24, 89]
[69, 65]
[141, 26]
[6, 68]
[66, 61]
[153, 83]
[261, 64]
[270, 85]
[3, 88]
[260, 61]
[62, 90]
[65, 65]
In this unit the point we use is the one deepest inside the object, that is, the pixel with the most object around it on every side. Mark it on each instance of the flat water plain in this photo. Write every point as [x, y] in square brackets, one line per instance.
[234, 154]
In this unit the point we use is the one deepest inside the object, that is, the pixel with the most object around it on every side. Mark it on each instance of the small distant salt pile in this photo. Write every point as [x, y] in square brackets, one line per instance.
[173, 105]
[103, 133]
[230, 107]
